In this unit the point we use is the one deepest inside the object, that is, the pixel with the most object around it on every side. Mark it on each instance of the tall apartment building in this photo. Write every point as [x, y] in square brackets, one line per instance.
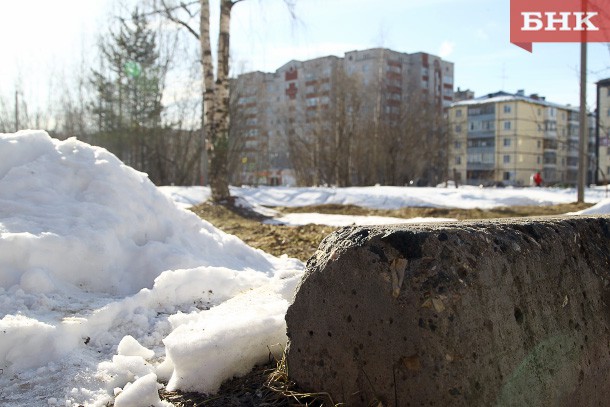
[602, 129]
[503, 137]
[293, 103]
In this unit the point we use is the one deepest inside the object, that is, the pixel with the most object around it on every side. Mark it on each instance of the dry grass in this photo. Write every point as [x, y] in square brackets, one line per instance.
[302, 241]
[264, 386]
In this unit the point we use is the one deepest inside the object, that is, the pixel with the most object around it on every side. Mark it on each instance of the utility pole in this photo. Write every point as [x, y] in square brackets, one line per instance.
[16, 111]
[582, 130]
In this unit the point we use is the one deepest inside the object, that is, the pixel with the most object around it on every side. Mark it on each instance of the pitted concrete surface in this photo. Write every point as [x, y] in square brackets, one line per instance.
[491, 313]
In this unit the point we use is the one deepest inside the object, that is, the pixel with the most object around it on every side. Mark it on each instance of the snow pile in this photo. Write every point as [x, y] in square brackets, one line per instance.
[600, 208]
[98, 269]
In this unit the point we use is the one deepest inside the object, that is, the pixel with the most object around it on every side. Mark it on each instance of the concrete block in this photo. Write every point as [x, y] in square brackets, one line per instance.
[489, 313]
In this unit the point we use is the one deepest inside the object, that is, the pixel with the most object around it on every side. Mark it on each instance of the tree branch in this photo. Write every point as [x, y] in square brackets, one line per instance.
[168, 13]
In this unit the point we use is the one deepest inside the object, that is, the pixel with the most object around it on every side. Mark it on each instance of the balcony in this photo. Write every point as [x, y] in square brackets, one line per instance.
[549, 160]
[549, 144]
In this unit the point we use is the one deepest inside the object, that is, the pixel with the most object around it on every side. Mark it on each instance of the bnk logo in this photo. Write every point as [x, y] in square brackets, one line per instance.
[559, 21]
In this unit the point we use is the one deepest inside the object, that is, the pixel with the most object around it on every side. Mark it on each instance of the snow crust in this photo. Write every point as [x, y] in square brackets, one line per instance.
[297, 219]
[98, 268]
[391, 197]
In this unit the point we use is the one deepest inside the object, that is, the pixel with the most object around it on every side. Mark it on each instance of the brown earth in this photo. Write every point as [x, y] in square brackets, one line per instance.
[269, 385]
[302, 241]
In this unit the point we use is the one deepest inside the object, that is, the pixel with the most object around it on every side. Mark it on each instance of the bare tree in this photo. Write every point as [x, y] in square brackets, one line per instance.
[216, 103]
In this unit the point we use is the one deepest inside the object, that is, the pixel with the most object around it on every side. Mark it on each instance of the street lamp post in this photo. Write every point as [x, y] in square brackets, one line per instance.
[582, 130]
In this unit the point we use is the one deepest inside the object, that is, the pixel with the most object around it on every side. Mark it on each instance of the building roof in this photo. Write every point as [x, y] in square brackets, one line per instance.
[603, 82]
[502, 96]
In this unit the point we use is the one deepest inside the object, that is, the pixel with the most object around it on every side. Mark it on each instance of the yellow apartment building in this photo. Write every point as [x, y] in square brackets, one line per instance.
[504, 138]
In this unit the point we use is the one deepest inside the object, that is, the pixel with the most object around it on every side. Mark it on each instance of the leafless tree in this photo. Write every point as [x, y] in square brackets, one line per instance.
[358, 136]
[216, 101]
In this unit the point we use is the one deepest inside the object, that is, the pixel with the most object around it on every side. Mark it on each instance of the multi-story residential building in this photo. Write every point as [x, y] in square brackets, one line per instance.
[506, 138]
[276, 111]
[465, 94]
[602, 130]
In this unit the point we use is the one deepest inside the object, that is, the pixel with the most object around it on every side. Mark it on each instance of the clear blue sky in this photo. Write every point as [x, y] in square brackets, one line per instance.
[42, 37]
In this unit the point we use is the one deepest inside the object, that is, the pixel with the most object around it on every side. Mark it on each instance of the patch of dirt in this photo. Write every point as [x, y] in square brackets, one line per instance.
[299, 242]
[302, 241]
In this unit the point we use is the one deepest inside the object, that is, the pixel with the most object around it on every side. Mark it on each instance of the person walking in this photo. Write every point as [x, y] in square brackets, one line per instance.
[538, 179]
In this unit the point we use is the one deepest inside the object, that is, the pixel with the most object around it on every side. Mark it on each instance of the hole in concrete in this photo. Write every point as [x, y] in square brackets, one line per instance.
[330, 335]
[349, 319]
[518, 315]
[443, 237]
[310, 333]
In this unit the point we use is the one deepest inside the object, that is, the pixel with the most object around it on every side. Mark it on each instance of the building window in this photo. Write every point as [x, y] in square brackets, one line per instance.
[538, 160]
[539, 111]
[506, 159]
[539, 143]
[506, 176]
[608, 151]
[506, 125]
[457, 145]
[458, 128]
[608, 91]
[507, 109]
[458, 113]
[312, 102]
[458, 160]
[608, 112]
[507, 142]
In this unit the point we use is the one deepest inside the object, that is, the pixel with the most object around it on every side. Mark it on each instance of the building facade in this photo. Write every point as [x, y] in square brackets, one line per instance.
[506, 138]
[602, 130]
[305, 101]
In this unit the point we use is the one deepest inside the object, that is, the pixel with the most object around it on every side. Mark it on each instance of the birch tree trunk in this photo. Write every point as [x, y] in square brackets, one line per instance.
[216, 99]
[219, 159]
